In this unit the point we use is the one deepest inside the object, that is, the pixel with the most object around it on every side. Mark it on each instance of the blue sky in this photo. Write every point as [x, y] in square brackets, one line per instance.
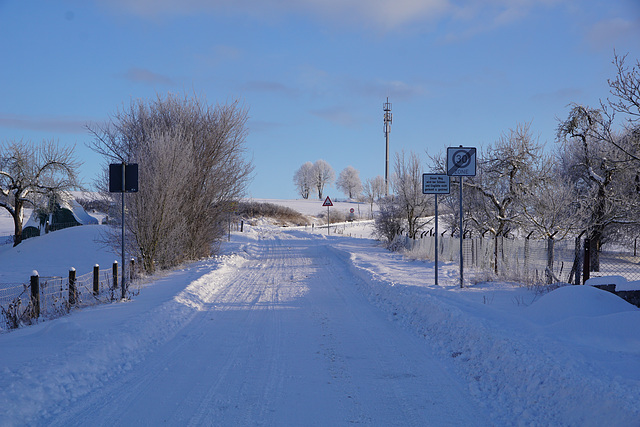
[313, 73]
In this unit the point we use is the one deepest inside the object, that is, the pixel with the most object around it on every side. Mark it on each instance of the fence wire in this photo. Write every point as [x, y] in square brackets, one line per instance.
[17, 307]
[525, 260]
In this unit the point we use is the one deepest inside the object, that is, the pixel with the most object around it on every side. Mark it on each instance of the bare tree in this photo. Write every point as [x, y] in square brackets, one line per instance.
[407, 187]
[504, 168]
[28, 171]
[602, 175]
[626, 89]
[373, 190]
[349, 182]
[548, 203]
[303, 179]
[192, 171]
[323, 175]
[550, 209]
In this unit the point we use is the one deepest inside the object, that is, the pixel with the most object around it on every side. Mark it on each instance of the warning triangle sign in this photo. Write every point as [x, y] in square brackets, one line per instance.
[327, 202]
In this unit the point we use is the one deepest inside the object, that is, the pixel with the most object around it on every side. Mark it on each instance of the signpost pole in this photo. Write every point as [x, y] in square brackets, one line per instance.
[328, 204]
[123, 179]
[461, 237]
[328, 221]
[461, 162]
[123, 285]
[435, 184]
[436, 277]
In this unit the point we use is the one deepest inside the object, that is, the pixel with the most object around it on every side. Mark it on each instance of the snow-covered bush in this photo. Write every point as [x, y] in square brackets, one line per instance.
[388, 222]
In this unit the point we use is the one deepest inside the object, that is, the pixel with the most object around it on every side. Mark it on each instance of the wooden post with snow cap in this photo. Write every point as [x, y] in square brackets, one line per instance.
[115, 275]
[35, 293]
[96, 279]
[73, 293]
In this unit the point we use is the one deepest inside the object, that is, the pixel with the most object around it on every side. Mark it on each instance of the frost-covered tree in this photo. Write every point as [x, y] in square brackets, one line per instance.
[373, 189]
[407, 188]
[323, 175]
[349, 182]
[625, 88]
[504, 169]
[388, 222]
[603, 175]
[29, 171]
[192, 171]
[303, 179]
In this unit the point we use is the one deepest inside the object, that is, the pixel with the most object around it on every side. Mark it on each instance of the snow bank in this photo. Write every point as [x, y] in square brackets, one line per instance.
[62, 360]
[53, 254]
[620, 283]
[576, 301]
[533, 368]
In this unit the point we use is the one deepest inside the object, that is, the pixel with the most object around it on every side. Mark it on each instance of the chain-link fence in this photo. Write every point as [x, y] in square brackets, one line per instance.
[529, 261]
[616, 263]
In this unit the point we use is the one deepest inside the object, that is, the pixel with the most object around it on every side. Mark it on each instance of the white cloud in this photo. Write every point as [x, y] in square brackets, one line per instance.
[338, 115]
[378, 15]
[395, 89]
[609, 32]
[54, 124]
[384, 14]
[472, 17]
[268, 86]
[142, 75]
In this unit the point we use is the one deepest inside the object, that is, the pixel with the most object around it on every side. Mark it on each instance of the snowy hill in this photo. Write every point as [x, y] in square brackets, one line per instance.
[289, 327]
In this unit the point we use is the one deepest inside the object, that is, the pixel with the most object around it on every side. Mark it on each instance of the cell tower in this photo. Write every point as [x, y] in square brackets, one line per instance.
[388, 118]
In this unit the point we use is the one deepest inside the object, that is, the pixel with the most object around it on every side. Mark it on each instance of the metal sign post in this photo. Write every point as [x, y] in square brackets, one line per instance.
[435, 184]
[123, 178]
[461, 161]
[328, 204]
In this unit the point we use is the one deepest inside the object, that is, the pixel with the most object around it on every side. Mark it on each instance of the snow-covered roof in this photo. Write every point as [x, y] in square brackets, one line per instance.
[66, 201]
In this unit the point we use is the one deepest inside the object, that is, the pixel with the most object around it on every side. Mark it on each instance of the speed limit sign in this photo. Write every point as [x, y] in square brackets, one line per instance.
[461, 161]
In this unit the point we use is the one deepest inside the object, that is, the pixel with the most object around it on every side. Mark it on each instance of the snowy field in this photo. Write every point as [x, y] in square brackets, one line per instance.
[313, 207]
[290, 327]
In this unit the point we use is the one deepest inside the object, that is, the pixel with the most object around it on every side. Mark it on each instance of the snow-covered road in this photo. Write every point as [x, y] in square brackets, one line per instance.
[293, 328]
[283, 338]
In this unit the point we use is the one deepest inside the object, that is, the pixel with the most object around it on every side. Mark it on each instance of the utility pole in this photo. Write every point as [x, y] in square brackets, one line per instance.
[388, 118]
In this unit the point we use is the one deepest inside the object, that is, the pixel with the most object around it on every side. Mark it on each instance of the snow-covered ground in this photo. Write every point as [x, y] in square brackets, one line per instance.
[294, 327]
[313, 207]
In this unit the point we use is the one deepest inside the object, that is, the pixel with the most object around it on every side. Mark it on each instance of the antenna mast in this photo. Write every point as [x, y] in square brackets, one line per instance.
[388, 118]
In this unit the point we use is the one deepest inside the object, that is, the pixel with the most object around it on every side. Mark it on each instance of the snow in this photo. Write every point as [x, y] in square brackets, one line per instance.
[55, 253]
[290, 327]
[313, 207]
[621, 283]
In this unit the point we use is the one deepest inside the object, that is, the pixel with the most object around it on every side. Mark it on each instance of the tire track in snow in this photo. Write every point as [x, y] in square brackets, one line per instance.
[284, 339]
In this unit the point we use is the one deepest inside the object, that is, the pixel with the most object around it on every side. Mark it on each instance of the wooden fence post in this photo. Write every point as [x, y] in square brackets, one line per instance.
[586, 262]
[35, 293]
[132, 269]
[73, 293]
[115, 274]
[96, 279]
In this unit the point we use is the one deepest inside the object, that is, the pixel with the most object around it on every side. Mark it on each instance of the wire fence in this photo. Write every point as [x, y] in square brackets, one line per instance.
[57, 296]
[527, 260]
[6, 240]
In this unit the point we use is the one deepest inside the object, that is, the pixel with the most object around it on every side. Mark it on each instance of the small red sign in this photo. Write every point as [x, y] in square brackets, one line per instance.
[327, 202]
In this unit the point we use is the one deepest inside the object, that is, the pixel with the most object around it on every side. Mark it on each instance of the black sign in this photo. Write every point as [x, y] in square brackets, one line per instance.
[130, 184]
